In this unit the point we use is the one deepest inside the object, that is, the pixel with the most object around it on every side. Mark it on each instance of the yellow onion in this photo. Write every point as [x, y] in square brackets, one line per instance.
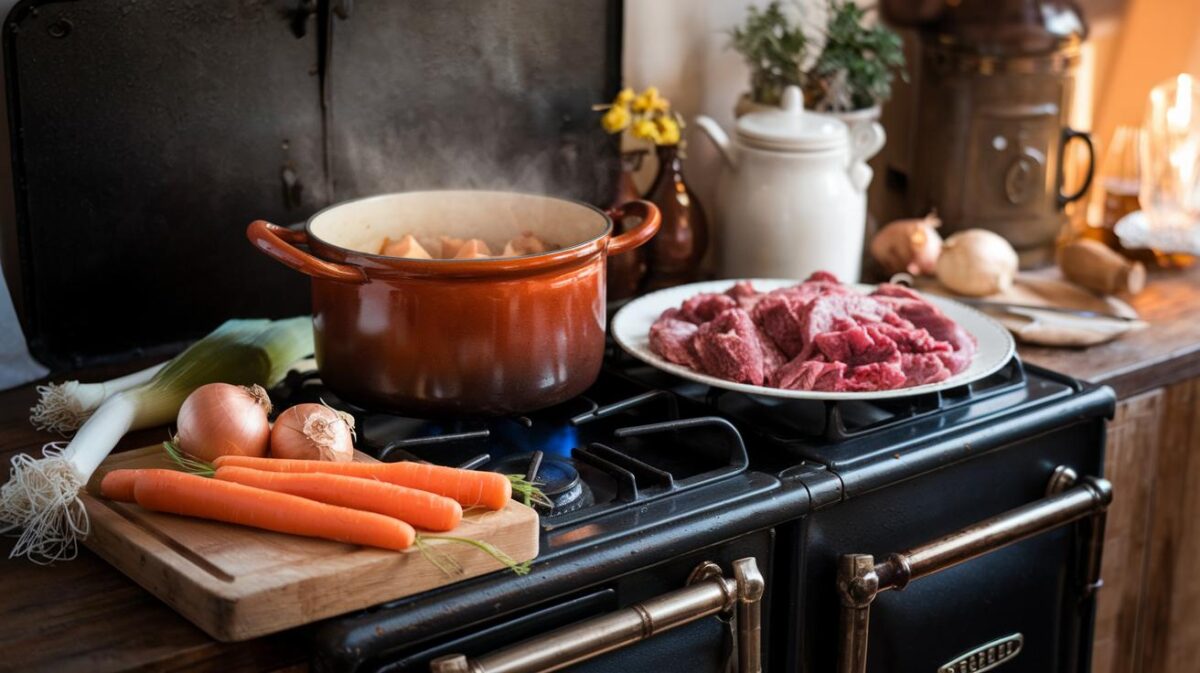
[313, 432]
[977, 263]
[219, 419]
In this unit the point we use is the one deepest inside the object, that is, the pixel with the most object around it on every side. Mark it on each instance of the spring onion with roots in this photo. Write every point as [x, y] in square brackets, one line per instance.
[41, 496]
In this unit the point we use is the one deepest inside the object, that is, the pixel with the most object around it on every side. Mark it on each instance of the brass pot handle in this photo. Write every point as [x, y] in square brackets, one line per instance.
[861, 579]
[708, 593]
[279, 243]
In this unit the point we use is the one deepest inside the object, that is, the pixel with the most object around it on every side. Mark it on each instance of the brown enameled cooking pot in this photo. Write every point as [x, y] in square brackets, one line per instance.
[457, 336]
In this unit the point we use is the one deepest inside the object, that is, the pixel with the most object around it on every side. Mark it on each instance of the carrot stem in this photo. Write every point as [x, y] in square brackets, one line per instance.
[519, 568]
[187, 464]
[529, 491]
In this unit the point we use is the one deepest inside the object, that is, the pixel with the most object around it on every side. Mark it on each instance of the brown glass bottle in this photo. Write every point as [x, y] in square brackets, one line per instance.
[673, 255]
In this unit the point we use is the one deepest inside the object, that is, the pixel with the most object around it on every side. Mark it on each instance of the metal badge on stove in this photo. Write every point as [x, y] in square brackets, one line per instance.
[987, 656]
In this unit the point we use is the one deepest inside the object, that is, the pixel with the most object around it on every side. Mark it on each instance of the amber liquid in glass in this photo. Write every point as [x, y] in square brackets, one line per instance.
[1120, 199]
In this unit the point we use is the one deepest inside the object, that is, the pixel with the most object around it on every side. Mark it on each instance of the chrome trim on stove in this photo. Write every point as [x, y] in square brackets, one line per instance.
[708, 593]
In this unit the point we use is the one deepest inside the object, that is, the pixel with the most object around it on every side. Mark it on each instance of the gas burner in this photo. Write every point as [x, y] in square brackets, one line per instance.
[556, 477]
[620, 445]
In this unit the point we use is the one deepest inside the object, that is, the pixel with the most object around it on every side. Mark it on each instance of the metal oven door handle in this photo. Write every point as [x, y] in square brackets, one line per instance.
[861, 579]
[708, 593]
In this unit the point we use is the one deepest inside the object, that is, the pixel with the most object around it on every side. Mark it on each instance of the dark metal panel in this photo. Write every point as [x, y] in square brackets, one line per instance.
[146, 136]
[700, 647]
[632, 542]
[1032, 587]
[473, 93]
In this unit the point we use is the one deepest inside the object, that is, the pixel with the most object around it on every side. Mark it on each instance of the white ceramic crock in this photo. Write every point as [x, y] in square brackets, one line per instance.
[792, 195]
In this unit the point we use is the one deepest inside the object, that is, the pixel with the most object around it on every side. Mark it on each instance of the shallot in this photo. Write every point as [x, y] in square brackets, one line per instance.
[910, 245]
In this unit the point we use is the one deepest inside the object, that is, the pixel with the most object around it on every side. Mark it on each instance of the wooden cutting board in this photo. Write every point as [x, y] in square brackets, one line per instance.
[238, 583]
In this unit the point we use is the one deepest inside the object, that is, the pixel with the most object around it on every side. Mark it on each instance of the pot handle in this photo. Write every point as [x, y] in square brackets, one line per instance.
[640, 234]
[279, 244]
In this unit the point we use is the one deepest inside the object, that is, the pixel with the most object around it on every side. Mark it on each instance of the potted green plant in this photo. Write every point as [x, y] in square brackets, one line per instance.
[774, 49]
[846, 70]
[853, 75]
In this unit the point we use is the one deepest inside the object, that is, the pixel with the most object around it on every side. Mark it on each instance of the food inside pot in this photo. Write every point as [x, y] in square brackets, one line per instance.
[458, 224]
[449, 247]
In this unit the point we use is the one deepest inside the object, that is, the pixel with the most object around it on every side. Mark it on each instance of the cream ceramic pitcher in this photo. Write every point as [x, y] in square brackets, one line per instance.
[792, 196]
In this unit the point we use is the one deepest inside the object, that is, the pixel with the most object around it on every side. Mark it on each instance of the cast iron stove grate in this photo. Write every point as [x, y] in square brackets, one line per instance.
[620, 445]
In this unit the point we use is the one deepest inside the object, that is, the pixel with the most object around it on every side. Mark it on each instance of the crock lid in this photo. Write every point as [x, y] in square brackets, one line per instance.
[791, 128]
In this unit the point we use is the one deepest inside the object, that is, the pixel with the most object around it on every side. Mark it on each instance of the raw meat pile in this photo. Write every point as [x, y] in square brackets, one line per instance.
[818, 335]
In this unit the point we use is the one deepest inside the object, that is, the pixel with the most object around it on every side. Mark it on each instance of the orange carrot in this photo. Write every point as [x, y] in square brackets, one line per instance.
[192, 495]
[471, 488]
[118, 485]
[419, 508]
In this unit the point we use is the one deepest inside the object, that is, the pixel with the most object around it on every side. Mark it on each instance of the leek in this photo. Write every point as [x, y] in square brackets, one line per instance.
[42, 494]
[63, 407]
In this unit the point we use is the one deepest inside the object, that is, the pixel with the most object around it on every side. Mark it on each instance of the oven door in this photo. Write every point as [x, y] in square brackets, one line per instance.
[699, 613]
[991, 564]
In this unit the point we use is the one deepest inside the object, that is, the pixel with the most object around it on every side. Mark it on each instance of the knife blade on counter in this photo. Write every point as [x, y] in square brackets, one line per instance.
[1008, 306]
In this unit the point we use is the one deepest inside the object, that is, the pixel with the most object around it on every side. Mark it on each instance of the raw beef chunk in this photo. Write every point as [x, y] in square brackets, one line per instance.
[911, 307]
[728, 347]
[745, 295]
[781, 318]
[922, 368]
[706, 306]
[671, 337]
[810, 375]
[836, 312]
[873, 376]
[912, 340]
[773, 358]
[857, 346]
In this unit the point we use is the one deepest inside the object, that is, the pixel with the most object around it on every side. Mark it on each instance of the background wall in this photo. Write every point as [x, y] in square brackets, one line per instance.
[680, 46]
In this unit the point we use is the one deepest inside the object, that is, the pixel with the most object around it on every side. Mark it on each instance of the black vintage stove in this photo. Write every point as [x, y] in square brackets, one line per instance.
[649, 477]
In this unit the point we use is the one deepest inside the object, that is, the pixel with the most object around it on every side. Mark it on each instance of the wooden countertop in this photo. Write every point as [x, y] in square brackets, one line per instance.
[1166, 352]
[83, 615]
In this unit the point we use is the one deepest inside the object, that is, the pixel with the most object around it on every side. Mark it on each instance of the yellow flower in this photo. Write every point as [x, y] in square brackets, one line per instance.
[646, 129]
[625, 97]
[668, 131]
[616, 119]
[648, 100]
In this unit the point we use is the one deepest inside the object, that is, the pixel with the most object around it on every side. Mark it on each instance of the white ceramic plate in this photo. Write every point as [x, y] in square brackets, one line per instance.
[631, 329]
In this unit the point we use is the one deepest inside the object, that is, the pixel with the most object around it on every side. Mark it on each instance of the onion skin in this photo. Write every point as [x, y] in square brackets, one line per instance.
[219, 419]
[312, 432]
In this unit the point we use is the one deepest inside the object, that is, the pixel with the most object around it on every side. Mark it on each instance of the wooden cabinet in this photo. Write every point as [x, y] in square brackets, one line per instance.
[1148, 614]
